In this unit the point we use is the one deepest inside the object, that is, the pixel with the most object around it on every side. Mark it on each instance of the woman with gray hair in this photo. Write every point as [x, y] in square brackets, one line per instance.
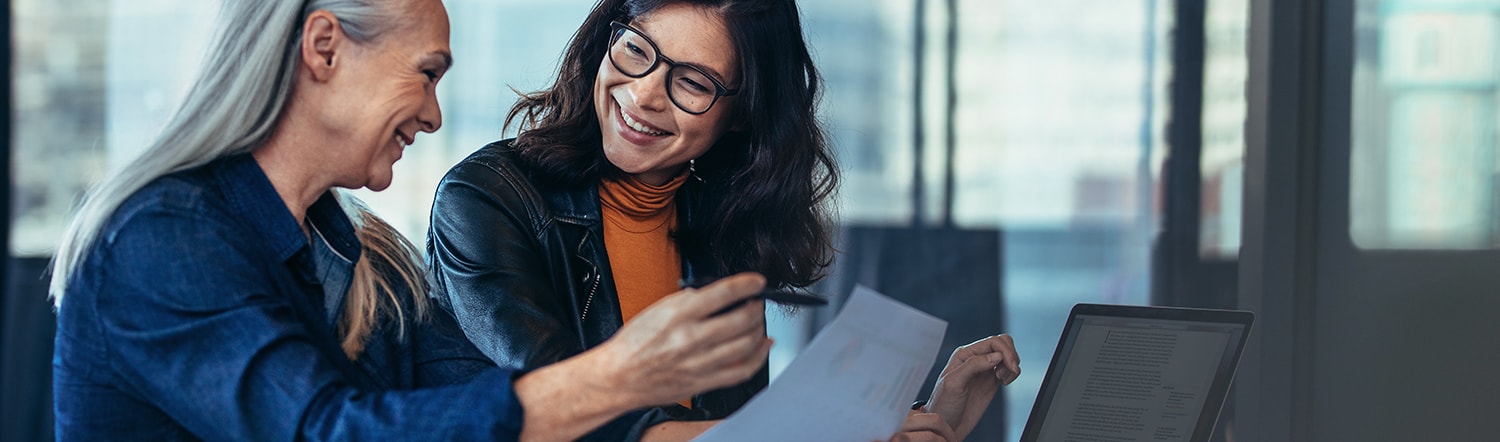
[217, 287]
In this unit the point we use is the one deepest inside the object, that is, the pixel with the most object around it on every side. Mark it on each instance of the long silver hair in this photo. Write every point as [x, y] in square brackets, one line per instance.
[232, 108]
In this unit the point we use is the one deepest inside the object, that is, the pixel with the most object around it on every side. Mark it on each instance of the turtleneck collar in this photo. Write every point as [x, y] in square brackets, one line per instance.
[638, 199]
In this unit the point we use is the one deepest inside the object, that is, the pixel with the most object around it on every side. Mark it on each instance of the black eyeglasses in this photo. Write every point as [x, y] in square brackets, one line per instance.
[634, 55]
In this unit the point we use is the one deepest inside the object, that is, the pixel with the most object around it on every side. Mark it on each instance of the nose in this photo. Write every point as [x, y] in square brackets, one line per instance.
[431, 116]
[650, 92]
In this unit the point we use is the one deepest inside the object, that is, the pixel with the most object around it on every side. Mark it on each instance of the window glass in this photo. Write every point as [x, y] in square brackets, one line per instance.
[1423, 164]
[1222, 164]
[864, 51]
[61, 79]
[1061, 112]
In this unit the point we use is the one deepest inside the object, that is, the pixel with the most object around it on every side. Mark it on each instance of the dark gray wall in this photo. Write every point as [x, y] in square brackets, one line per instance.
[1350, 344]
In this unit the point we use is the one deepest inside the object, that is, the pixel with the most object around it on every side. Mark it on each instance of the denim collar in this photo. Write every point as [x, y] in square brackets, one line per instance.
[251, 195]
[334, 271]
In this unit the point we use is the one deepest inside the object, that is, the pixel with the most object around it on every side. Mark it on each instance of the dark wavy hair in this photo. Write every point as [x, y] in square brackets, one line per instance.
[767, 185]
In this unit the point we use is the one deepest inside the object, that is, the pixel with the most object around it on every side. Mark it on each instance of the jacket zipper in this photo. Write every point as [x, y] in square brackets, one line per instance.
[590, 301]
[594, 273]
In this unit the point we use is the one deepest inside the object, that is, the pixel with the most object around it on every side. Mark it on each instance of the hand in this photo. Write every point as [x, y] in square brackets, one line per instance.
[925, 427]
[969, 381]
[672, 349]
[677, 348]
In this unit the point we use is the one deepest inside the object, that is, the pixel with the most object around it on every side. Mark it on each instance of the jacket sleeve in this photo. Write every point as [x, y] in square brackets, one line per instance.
[440, 354]
[197, 327]
[489, 270]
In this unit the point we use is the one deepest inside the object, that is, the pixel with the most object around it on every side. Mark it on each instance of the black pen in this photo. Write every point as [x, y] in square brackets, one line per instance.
[778, 296]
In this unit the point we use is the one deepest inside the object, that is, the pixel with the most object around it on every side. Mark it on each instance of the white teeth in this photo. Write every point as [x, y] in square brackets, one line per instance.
[638, 126]
[401, 140]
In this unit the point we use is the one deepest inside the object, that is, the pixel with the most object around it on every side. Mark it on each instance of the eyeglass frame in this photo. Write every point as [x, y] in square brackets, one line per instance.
[617, 29]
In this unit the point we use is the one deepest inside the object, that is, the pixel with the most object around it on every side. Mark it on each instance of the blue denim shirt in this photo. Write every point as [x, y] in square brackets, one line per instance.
[199, 313]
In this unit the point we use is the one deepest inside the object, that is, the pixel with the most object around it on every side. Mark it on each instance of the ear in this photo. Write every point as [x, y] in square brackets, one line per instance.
[322, 39]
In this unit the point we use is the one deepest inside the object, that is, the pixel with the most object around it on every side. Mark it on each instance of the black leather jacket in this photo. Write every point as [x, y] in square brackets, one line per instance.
[522, 266]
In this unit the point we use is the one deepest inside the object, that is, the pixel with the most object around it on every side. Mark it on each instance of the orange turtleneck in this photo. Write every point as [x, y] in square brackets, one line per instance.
[637, 220]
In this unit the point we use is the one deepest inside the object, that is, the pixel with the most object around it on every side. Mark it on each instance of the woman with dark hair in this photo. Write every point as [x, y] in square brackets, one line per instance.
[679, 143]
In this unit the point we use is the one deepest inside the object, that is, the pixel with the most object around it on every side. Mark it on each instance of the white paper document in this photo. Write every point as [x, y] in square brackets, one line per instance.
[854, 382]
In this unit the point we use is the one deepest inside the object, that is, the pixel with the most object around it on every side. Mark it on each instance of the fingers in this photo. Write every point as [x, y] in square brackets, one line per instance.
[1004, 371]
[743, 329]
[696, 373]
[924, 427]
[734, 350]
[674, 348]
[999, 351]
[746, 323]
[720, 376]
[729, 348]
[1001, 343]
[1008, 348]
[974, 365]
[714, 297]
[749, 318]
[691, 308]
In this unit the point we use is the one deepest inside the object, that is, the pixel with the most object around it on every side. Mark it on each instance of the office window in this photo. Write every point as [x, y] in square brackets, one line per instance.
[1424, 172]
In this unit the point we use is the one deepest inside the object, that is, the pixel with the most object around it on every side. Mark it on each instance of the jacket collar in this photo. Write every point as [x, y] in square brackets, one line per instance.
[580, 204]
[575, 204]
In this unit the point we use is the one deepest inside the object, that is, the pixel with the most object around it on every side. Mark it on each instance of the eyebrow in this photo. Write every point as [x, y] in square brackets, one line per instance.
[711, 71]
[699, 66]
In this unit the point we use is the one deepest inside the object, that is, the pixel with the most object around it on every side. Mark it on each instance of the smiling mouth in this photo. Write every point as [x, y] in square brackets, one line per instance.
[638, 126]
[402, 140]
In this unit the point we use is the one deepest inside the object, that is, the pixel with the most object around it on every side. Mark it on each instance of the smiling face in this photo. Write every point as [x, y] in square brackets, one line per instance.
[389, 93]
[644, 133]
